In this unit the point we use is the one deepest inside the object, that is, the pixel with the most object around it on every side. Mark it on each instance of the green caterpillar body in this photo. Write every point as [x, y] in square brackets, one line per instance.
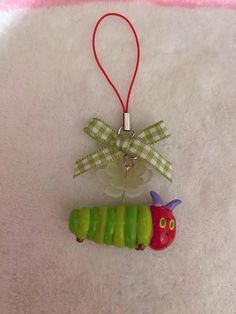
[122, 226]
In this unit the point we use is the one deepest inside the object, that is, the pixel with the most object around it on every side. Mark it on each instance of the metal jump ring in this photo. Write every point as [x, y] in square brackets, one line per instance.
[122, 129]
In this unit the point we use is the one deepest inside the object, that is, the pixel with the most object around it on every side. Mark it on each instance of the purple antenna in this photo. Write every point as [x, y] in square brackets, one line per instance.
[171, 205]
[156, 200]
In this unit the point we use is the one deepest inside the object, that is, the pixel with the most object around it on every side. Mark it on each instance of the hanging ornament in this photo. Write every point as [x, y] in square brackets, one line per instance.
[124, 162]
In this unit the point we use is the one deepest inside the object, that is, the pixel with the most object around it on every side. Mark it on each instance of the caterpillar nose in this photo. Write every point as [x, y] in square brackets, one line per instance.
[164, 238]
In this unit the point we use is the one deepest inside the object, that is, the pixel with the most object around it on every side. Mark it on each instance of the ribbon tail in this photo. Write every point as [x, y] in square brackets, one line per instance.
[100, 158]
[162, 165]
[154, 133]
[156, 160]
[100, 131]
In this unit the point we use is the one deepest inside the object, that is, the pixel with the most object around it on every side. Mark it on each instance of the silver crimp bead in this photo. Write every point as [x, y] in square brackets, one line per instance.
[126, 122]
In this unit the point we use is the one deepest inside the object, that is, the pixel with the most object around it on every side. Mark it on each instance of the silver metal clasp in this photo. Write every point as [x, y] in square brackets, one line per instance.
[126, 122]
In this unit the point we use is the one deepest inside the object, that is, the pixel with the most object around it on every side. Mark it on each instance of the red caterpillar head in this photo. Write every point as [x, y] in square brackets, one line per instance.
[164, 223]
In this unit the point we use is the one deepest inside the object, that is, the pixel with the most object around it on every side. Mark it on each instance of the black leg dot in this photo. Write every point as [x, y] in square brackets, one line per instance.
[79, 240]
[140, 247]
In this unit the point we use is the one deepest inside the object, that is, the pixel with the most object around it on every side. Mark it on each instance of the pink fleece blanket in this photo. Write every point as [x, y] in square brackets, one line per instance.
[7, 4]
[50, 87]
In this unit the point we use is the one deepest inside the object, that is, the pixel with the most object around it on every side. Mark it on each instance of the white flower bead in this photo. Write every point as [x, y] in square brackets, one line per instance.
[119, 181]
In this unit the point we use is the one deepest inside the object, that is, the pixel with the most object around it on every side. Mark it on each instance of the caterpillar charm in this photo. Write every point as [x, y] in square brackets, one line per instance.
[131, 226]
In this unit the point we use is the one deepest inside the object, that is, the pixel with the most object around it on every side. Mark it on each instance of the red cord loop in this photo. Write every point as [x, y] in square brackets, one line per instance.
[125, 105]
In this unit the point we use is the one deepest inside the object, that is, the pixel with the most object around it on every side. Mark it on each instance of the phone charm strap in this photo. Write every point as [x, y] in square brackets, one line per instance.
[126, 159]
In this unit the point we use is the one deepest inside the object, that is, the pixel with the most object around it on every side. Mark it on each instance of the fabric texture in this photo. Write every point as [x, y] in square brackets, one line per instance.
[50, 88]
[9, 4]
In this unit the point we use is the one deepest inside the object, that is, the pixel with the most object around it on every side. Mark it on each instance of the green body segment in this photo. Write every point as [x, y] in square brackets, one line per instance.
[110, 225]
[144, 228]
[93, 223]
[79, 222]
[102, 216]
[131, 226]
[118, 238]
[73, 221]
[120, 226]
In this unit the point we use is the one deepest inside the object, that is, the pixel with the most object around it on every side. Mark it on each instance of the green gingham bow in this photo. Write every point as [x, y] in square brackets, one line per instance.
[114, 146]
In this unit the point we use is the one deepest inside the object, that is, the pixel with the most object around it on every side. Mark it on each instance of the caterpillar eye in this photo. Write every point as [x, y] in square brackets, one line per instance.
[162, 223]
[171, 224]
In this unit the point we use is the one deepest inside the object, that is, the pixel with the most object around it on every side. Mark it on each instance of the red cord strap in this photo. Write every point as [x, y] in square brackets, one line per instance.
[125, 105]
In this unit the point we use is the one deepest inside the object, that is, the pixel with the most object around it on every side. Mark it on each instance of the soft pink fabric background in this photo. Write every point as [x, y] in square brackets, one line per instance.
[7, 4]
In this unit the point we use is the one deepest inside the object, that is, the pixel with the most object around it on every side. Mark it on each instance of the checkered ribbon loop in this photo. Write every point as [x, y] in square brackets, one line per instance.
[114, 146]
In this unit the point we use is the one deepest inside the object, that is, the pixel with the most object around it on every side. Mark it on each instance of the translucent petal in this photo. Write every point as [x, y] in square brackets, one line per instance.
[147, 176]
[139, 167]
[117, 181]
[114, 169]
[133, 181]
[134, 192]
[113, 191]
